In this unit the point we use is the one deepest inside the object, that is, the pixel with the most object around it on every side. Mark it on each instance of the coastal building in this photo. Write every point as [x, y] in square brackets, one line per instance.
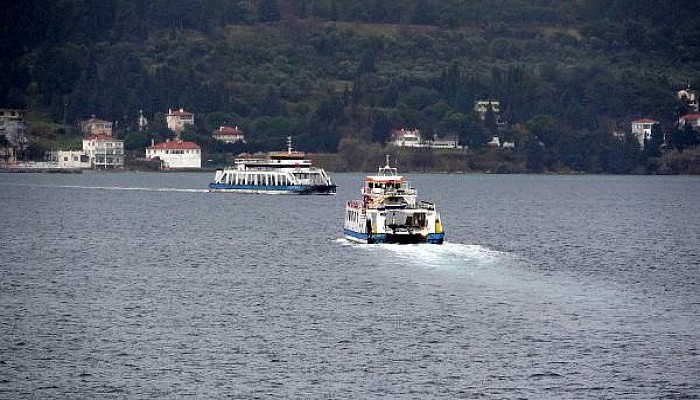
[177, 119]
[104, 152]
[641, 129]
[482, 107]
[692, 120]
[96, 127]
[414, 138]
[176, 154]
[406, 138]
[13, 128]
[498, 143]
[444, 143]
[70, 159]
[227, 134]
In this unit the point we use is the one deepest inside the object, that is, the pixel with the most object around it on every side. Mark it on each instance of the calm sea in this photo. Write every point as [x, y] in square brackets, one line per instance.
[143, 285]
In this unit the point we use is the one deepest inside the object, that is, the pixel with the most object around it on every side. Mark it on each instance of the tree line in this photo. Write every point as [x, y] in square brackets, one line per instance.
[567, 74]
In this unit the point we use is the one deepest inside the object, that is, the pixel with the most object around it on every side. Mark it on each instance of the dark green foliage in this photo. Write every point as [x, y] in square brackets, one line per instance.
[684, 137]
[268, 11]
[324, 70]
[652, 147]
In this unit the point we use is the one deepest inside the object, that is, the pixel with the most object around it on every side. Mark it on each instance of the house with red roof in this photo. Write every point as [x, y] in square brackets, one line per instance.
[177, 119]
[176, 154]
[693, 120]
[641, 129]
[406, 138]
[227, 134]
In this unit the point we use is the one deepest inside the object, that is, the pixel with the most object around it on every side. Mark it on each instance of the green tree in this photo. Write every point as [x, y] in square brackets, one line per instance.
[423, 13]
[367, 64]
[684, 137]
[268, 11]
[535, 156]
[381, 129]
[544, 129]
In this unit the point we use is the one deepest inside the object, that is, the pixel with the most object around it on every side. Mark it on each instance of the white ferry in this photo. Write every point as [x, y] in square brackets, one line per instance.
[390, 212]
[277, 173]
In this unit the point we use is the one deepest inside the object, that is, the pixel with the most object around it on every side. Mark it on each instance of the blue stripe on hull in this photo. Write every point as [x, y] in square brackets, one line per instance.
[436, 238]
[433, 238]
[291, 189]
[363, 237]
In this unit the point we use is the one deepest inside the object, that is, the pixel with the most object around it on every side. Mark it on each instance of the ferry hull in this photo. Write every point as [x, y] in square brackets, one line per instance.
[383, 238]
[253, 189]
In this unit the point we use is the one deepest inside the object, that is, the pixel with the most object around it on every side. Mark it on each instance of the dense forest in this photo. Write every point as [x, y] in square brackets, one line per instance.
[339, 75]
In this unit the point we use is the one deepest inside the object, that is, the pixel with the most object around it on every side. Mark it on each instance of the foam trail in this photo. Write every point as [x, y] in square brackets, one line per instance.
[143, 189]
[445, 256]
[453, 255]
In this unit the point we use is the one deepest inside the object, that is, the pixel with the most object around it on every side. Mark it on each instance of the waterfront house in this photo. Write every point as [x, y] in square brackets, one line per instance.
[692, 120]
[444, 143]
[104, 152]
[641, 129]
[406, 138]
[70, 159]
[227, 134]
[176, 154]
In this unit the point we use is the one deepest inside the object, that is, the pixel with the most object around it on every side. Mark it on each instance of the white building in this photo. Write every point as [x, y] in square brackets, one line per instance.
[406, 138]
[443, 143]
[177, 119]
[104, 152]
[414, 138]
[176, 154]
[641, 129]
[229, 135]
[71, 159]
[481, 107]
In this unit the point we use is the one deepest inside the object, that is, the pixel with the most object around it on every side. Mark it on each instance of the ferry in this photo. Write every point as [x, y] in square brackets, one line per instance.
[390, 212]
[276, 173]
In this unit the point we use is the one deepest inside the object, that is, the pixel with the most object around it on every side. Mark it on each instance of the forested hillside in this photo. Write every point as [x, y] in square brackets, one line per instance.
[340, 74]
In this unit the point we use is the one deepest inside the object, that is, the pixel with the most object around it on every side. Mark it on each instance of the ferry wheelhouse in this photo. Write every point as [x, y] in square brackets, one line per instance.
[277, 173]
[390, 212]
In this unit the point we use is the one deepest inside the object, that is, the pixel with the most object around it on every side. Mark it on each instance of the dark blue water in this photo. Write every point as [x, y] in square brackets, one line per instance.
[123, 285]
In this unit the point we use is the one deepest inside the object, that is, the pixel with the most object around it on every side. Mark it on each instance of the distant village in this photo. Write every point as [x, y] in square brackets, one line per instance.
[102, 150]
